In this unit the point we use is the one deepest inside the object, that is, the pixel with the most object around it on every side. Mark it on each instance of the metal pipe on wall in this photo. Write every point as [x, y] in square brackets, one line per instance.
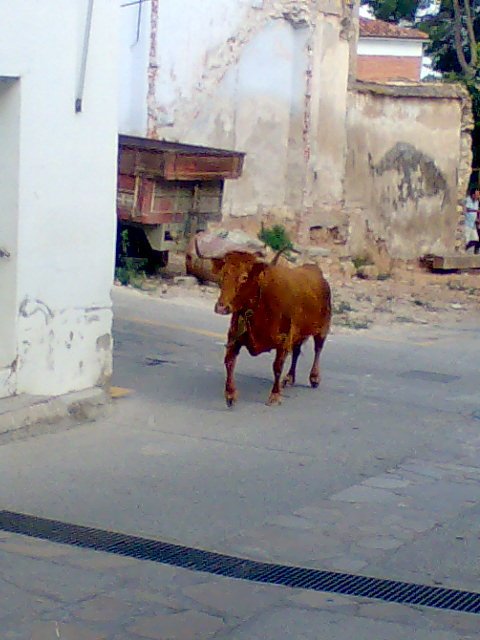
[83, 62]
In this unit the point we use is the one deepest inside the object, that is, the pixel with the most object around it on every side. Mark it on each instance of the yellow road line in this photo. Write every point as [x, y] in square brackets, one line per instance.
[222, 336]
[178, 327]
[426, 343]
[119, 392]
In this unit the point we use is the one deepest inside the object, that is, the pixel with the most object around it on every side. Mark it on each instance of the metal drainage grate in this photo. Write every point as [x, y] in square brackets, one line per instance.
[430, 376]
[232, 567]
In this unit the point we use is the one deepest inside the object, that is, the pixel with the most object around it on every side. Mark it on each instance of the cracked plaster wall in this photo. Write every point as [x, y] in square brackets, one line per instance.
[64, 242]
[267, 77]
[406, 170]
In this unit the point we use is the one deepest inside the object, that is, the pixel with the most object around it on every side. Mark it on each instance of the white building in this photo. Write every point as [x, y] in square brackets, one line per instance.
[387, 52]
[58, 127]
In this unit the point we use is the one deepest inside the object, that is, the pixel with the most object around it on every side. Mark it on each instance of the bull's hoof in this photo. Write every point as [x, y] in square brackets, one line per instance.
[314, 382]
[288, 381]
[274, 398]
[230, 399]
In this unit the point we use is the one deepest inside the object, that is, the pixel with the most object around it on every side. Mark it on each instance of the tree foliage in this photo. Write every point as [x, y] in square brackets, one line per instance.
[396, 10]
[453, 27]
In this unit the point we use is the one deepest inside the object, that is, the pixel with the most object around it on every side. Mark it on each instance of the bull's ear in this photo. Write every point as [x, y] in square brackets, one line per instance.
[258, 270]
[217, 265]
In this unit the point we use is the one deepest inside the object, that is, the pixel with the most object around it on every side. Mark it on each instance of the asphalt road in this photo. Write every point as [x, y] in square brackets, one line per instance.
[171, 461]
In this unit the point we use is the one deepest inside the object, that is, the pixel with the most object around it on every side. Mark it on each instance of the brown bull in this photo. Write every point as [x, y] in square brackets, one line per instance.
[272, 307]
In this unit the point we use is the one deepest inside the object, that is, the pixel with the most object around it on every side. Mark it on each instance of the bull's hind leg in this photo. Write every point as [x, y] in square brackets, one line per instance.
[275, 396]
[289, 379]
[315, 370]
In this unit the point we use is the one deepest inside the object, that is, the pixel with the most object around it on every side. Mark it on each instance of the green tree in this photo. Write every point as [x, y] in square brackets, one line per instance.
[394, 10]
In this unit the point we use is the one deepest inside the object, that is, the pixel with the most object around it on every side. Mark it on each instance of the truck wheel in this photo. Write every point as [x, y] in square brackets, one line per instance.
[160, 258]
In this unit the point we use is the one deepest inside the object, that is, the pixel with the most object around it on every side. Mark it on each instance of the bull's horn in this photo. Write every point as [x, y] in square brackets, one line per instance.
[277, 256]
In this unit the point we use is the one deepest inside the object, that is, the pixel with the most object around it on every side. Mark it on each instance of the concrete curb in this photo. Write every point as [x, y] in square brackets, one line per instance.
[25, 411]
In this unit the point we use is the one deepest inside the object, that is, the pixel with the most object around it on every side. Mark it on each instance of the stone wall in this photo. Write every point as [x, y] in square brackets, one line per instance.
[407, 169]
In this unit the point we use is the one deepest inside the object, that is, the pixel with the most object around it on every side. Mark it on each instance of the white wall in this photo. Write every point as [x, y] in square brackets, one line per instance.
[389, 47]
[133, 67]
[67, 186]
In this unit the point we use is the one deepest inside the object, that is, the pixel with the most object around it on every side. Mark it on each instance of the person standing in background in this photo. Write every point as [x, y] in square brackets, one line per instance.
[471, 220]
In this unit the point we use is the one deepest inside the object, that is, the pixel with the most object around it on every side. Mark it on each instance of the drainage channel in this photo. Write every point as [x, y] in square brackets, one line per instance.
[240, 568]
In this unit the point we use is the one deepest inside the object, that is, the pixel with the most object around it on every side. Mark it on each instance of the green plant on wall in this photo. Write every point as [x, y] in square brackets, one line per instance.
[129, 270]
[276, 237]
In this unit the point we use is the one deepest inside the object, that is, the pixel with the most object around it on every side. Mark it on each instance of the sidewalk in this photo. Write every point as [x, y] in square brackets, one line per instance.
[25, 411]
[54, 591]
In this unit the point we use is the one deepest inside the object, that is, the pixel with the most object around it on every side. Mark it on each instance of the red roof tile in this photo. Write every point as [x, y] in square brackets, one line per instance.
[380, 29]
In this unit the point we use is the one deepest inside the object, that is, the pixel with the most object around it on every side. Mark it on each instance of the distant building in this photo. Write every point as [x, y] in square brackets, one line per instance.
[387, 52]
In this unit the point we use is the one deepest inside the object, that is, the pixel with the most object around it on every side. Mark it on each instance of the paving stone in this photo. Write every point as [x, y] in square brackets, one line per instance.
[293, 522]
[383, 530]
[52, 580]
[33, 548]
[461, 469]
[447, 499]
[384, 482]
[463, 622]
[393, 612]
[103, 609]
[166, 601]
[321, 600]
[345, 564]
[418, 525]
[379, 542]
[330, 515]
[99, 561]
[151, 576]
[60, 630]
[238, 598]
[423, 468]
[189, 625]
[290, 623]
[359, 493]
[280, 544]
[416, 478]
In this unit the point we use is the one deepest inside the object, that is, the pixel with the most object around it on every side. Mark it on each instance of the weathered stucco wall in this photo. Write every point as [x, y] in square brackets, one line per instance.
[267, 77]
[407, 167]
[58, 202]
[276, 79]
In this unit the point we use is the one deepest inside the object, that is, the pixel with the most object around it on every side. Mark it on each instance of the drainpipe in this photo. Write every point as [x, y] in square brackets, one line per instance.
[152, 72]
[83, 62]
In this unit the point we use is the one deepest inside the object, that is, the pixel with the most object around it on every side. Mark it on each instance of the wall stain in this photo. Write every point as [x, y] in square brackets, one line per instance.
[104, 342]
[418, 174]
[29, 307]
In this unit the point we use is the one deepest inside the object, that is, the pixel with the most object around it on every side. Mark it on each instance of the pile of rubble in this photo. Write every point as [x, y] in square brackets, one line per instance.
[363, 295]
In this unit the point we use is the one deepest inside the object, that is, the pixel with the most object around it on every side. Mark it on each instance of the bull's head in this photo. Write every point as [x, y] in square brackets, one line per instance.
[239, 275]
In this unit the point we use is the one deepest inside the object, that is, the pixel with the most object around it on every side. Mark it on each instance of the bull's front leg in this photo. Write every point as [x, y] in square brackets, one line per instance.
[275, 394]
[231, 394]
